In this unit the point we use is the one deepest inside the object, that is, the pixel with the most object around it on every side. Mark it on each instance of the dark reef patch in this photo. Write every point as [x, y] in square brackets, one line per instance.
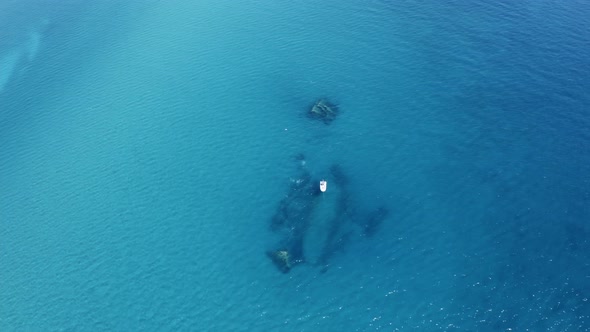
[323, 110]
[374, 221]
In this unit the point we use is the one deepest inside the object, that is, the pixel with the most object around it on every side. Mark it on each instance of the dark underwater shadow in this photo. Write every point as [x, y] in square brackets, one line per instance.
[294, 213]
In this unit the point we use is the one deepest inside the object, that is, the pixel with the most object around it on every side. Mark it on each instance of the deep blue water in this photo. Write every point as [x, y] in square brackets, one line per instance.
[145, 147]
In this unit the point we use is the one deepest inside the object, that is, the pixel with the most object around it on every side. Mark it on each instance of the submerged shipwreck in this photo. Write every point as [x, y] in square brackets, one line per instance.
[312, 224]
[318, 216]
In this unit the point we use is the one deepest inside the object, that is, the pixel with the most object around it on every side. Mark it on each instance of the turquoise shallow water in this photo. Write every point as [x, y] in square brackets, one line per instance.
[144, 149]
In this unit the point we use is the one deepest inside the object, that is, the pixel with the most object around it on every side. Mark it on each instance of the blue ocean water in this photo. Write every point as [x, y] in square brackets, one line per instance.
[145, 147]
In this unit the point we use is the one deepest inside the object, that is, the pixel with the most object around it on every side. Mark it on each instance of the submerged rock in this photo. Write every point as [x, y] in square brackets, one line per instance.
[324, 110]
[281, 259]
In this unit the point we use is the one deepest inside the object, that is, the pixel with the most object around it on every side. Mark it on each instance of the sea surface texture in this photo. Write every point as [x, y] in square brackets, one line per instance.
[159, 169]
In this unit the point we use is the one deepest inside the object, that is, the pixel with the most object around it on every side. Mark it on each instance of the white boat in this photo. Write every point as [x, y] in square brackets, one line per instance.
[323, 185]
